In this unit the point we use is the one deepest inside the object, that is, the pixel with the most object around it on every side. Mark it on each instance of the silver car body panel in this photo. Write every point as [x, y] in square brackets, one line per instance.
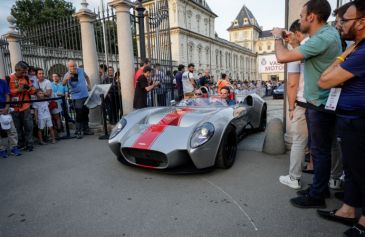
[172, 144]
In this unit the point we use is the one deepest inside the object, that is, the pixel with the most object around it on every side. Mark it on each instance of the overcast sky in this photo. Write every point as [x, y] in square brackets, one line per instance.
[268, 13]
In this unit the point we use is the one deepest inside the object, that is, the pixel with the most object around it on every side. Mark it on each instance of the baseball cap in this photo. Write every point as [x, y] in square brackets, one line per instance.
[5, 121]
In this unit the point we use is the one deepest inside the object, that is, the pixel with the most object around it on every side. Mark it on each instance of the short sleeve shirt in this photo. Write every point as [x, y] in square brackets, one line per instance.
[45, 85]
[140, 94]
[320, 51]
[58, 89]
[42, 109]
[187, 85]
[298, 67]
[4, 91]
[78, 87]
[353, 91]
[179, 82]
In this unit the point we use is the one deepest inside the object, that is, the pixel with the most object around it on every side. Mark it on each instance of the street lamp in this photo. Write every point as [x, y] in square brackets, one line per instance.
[140, 9]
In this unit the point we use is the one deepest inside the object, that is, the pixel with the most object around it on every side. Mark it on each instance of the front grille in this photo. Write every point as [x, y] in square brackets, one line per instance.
[145, 157]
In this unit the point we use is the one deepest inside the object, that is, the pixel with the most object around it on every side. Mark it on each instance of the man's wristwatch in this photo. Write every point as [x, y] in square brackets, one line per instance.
[278, 37]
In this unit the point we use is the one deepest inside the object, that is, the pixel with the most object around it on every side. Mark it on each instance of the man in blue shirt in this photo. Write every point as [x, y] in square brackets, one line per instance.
[79, 84]
[318, 54]
[348, 71]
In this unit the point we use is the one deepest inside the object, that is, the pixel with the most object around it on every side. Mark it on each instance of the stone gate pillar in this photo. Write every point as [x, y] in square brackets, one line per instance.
[126, 58]
[89, 53]
[13, 39]
[2, 64]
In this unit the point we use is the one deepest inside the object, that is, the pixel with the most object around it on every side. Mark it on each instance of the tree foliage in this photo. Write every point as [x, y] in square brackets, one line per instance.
[33, 12]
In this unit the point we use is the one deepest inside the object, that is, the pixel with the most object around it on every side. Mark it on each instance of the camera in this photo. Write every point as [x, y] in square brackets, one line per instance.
[284, 35]
[74, 77]
[26, 87]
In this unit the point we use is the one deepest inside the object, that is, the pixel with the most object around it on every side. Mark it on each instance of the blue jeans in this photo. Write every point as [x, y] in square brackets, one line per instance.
[321, 131]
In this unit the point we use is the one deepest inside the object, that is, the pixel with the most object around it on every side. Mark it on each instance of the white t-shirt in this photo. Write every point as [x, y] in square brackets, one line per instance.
[298, 67]
[45, 85]
[42, 109]
[187, 85]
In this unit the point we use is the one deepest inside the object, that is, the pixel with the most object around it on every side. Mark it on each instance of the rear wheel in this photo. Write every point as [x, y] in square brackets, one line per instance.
[227, 149]
[263, 119]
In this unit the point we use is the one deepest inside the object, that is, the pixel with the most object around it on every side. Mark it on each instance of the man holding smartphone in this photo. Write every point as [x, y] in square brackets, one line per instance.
[79, 84]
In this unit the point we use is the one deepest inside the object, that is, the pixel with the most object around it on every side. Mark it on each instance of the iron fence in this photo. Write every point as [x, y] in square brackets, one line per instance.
[5, 54]
[52, 44]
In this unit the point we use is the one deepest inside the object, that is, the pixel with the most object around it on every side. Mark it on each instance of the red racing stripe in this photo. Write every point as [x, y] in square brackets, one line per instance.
[149, 136]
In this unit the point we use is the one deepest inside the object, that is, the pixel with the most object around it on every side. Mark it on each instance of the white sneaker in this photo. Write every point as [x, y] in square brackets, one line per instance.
[289, 181]
[335, 184]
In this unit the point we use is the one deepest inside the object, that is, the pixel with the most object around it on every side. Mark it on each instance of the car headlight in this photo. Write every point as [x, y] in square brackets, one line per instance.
[201, 135]
[119, 127]
[275, 91]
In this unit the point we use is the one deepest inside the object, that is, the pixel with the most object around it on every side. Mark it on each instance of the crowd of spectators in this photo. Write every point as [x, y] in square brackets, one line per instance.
[153, 84]
[326, 94]
[28, 112]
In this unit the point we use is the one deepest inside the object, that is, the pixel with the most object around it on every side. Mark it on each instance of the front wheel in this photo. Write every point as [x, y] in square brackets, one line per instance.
[227, 149]
[122, 160]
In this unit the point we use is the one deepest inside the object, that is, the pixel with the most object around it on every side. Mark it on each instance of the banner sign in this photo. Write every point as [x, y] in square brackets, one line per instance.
[268, 64]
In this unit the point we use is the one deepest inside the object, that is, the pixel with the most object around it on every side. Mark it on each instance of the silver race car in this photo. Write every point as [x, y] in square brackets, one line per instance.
[200, 131]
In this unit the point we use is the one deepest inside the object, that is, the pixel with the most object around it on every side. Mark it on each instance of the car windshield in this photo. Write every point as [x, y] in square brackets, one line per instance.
[202, 102]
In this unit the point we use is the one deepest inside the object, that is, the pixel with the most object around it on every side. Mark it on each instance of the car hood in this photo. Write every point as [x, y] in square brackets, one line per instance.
[171, 125]
[180, 116]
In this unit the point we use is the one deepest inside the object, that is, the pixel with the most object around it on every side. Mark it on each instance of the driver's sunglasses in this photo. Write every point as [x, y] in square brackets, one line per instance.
[342, 21]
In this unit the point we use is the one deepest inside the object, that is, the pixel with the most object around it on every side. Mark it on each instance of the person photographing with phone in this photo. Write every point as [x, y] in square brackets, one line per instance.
[143, 86]
[79, 84]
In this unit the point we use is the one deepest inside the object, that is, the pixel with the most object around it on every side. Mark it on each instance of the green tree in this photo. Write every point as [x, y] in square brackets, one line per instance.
[34, 12]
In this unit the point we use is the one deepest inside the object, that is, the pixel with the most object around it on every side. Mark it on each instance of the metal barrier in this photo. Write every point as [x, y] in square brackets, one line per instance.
[65, 117]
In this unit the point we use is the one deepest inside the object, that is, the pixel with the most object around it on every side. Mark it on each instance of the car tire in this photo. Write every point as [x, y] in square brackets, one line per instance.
[122, 160]
[263, 118]
[227, 150]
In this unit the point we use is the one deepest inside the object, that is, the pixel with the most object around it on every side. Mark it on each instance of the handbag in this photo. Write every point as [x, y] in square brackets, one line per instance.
[52, 105]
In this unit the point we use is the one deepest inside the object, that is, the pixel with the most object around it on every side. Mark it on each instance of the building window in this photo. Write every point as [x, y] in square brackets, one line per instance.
[190, 52]
[207, 56]
[216, 58]
[221, 59]
[206, 25]
[268, 47]
[245, 21]
[189, 15]
[198, 23]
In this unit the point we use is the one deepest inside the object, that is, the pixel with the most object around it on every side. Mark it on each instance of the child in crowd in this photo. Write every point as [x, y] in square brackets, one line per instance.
[43, 118]
[9, 138]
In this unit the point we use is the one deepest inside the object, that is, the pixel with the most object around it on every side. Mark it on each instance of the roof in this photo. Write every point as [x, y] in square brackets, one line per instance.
[239, 22]
[201, 3]
[229, 43]
[265, 34]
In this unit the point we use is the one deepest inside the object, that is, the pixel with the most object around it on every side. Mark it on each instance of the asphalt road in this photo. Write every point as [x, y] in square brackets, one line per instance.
[78, 188]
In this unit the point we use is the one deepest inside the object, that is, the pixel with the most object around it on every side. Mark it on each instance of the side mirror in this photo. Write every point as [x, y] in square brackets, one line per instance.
[173, 103]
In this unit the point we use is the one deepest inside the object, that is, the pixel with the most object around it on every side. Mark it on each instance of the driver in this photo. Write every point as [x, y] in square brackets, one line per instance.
[225, 93]
[198, 93]
[199, 99]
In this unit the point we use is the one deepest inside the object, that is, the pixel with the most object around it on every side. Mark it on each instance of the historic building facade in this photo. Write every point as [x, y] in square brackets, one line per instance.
[194, 40]
[246, 32]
